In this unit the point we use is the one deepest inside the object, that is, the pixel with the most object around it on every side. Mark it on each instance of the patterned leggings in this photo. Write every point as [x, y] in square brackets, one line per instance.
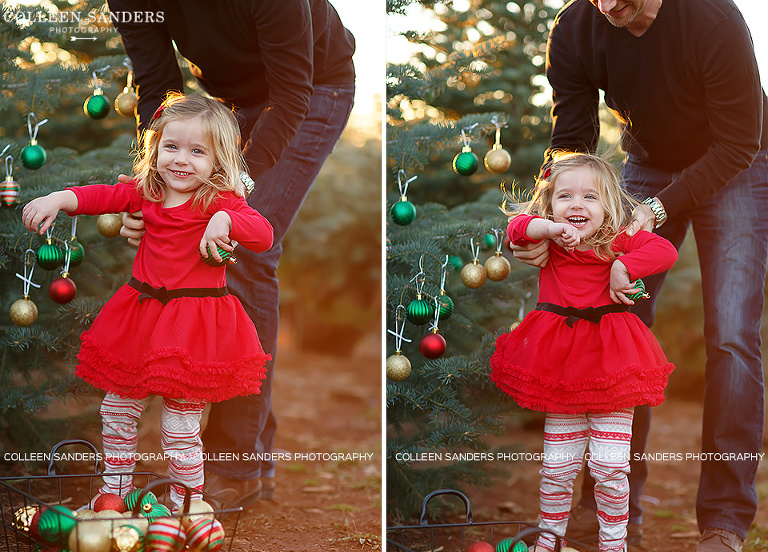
[181, 443]
[565, 440]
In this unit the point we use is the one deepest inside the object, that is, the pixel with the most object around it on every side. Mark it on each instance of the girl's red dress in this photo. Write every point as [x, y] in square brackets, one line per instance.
[546, 365]
[193, 348]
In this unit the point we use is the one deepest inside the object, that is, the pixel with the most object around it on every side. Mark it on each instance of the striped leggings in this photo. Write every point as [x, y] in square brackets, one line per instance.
[181, 443]
[565, 440]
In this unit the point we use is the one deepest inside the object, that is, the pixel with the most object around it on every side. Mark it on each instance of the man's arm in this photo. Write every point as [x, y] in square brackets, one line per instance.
[734, 99]
[149, 46]
[284, 32]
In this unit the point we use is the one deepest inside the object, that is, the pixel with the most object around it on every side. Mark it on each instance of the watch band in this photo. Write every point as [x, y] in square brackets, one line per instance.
[658, 210]
[247, 182]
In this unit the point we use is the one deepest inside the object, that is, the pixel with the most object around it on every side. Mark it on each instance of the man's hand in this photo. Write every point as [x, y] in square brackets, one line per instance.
[533, 254]
[133, 223]
[642, 219]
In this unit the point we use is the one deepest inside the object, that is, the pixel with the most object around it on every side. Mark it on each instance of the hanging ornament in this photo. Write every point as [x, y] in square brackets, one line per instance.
[498, 159]
[466, 162]
[456, 262]
[109, 225]
[97, 105]
[127, 100]
[49, 255]
[24, 311]
[489, 240]
[639, 284]
[473, 274]
[403, 212]
[33, 156]
[398, 366]
[63, 289]
[205, 535]
[76, 249]
[127, 538]
[419, 310]
[444, 302]
[165, 535]
[9, 189]
[226, 256]
[497, 267]
[433, 344]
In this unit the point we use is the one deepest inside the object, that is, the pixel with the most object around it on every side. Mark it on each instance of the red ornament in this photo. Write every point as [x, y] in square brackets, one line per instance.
[109, 501]
[62, 290]
[432, 345]
[481, 546]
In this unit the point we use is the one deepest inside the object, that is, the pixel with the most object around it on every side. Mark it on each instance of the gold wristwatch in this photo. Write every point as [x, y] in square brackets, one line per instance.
[658, 210]
[248, 183]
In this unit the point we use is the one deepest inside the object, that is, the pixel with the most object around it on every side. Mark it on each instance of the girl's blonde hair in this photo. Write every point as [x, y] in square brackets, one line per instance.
[219, 125]
[616, 202]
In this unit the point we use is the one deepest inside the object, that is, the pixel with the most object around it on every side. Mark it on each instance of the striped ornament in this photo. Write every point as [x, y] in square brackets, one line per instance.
[9, 192]
[165, 535]
[205, 535]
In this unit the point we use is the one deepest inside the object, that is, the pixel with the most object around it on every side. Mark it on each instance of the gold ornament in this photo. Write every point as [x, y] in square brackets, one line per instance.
[398, 367]
[127, 538]
[497, 267]
[109, 225]
[198, 509]
[22, 518]
[90, 536]
[85, 514]
[23, 312]
[473, 275]
[126, 101]
[497, 160]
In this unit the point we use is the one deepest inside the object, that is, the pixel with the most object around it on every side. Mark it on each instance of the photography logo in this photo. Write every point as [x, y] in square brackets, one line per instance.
[78, 25]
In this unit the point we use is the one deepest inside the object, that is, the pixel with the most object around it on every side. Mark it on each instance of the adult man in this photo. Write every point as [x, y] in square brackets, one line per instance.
[681, 77]
[287, 68]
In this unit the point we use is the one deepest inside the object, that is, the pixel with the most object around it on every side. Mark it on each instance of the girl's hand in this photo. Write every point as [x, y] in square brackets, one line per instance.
[39, 214]
[565, 235]
[621, 284]
[217, 235]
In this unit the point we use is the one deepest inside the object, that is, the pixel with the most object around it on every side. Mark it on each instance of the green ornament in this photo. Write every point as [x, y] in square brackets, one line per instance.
[403, 212]
[76, 253]
[226, 257]
[420, 311]
[456, 262]
[33, 156]
[55, 524]
[466, 162]
[504, 546]
[96, 106]
[154, 511]
[49, 256]
[446, 306]
[640, 294]
[489, 241]
[132, 497]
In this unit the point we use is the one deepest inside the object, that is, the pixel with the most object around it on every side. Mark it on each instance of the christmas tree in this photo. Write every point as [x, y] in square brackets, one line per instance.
[62, 69]
[471, 96]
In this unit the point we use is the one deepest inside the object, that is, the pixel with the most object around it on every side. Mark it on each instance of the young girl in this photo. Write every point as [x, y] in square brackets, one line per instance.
[581, 357]
[173, 330]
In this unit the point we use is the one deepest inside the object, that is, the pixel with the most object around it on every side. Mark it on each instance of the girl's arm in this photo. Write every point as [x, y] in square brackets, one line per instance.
[39, 214]
[248, 227]
[564, 235]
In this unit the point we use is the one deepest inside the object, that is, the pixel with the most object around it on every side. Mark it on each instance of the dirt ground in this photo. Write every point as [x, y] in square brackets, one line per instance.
[668, 498]
[325, 406]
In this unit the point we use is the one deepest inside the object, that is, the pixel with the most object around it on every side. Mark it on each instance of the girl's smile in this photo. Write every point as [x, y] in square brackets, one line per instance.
[575, 201]
[184, 159]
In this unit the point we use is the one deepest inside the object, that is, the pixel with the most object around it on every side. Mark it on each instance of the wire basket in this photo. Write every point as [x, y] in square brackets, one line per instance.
[73, 491]
[450, 537]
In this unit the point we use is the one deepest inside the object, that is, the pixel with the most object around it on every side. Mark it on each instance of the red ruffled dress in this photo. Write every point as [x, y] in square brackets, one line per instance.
[203, 348]
[548, 365]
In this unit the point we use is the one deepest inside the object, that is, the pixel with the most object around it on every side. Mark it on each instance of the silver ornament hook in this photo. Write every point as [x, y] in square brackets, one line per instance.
[399, 328]
[29, 270]
[418, 280]
[464, 135]
[433, 325]
[499, 243]
[74, 227]
[443, 273]
[8, 165]
[403, 186]
[33, 132]
[475, 249]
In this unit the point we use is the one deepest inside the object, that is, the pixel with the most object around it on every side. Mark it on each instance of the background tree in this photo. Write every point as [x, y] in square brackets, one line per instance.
[483, 66]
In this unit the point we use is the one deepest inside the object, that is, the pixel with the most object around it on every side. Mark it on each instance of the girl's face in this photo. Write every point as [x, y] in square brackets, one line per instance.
[184, 159]
[575, 201]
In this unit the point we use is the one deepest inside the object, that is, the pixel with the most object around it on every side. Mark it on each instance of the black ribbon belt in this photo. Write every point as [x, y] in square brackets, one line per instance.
[164, 295]
[591, 314]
